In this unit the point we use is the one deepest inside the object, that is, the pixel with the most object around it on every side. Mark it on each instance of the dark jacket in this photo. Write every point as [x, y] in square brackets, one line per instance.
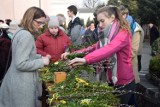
[74, 31]
[5, 44]
[154, 34]
[90, 37]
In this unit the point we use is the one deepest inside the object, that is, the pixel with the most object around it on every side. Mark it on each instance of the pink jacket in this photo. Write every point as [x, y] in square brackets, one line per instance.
[121, 45]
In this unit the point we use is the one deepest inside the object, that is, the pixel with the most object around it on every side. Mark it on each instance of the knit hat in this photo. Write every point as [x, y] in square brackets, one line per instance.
[13, 27]
[53, 21]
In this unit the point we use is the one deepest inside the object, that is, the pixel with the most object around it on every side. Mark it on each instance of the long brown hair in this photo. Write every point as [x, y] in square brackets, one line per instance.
[112, 10]
[29, 16]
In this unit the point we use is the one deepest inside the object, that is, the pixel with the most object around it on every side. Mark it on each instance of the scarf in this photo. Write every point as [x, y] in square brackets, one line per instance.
[105, 36]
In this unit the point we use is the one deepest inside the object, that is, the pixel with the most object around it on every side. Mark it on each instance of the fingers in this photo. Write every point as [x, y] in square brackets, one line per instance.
[64, 56]
[49, 56]
[77, 61]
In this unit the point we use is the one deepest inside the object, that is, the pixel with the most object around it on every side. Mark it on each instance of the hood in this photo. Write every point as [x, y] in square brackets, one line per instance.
[77, 21]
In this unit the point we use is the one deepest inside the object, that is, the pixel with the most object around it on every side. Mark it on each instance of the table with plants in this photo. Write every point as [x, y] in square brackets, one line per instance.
[69, 87]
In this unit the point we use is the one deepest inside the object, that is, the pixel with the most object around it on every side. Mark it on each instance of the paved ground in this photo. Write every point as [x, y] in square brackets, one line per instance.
[146, 56]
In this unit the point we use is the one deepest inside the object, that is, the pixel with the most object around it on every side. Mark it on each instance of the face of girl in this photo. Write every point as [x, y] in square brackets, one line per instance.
[39, 23]
[103, 20]
[53, 30]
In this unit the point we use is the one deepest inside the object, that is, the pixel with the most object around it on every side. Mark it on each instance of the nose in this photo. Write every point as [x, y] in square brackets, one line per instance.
[100, 24]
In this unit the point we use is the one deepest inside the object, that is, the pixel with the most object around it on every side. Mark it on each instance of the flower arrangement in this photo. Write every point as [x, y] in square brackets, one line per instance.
[78, 92]
[46, 73]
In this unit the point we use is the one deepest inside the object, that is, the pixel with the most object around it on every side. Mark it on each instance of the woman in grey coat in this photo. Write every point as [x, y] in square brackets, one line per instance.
[19, 85]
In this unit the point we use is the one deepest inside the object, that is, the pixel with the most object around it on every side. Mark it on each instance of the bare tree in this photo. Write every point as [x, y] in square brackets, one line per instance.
[91, 3]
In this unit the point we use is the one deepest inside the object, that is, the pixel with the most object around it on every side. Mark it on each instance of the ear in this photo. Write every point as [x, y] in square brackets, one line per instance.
[112, 17]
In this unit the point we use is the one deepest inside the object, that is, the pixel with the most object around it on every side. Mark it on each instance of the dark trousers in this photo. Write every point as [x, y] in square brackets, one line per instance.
[139, 62]
[124, 98]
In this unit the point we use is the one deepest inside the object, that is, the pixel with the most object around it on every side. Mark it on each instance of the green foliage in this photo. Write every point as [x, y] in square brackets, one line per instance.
[154, 66]
[145, 10]
[77, 92]
[59, 66]
[82, 21]
[88, 22]
[156, 47]
[113, 2]
[73, 47]
[74, 55]
[149, 11]
[130, 4]
[46, 73]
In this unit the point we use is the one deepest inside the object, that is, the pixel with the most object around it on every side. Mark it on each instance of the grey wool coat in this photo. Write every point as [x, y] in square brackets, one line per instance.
[19, 86]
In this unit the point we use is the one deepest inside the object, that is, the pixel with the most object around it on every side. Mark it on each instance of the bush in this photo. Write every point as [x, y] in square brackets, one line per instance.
[154, 66]
[156, 47]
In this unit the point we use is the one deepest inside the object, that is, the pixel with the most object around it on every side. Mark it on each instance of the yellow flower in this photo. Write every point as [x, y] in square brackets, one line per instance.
[85, 102]
[50, 101]
[63, 101]
[49, 88]
[55, 96]
[81, 81]
[56, 63]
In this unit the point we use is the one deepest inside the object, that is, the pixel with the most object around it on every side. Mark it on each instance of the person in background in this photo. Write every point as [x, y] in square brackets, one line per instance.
[5, 43]
[62, 22]
[140, 49]
[45, 26]
[154, 34]
[137, 39]
[114, 42]
[19, 86]
[90, 36]
[7, 21]
[137, 46]
[54, 41]
[13, 27]
[74, 26]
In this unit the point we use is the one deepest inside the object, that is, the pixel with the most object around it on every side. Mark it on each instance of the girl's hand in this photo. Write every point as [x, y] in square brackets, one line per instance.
[77, 61]
[64, 55]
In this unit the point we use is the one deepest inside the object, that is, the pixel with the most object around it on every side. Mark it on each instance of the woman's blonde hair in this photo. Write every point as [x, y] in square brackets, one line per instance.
[112, 10]
[29, 16]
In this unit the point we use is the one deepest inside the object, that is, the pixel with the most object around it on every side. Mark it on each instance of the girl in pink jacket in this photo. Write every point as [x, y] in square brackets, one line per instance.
[114, 42]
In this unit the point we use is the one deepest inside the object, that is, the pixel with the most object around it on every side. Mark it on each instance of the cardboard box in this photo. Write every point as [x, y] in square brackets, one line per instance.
[59, 77]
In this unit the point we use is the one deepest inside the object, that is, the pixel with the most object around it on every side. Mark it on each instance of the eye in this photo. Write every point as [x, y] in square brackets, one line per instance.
[102, 20]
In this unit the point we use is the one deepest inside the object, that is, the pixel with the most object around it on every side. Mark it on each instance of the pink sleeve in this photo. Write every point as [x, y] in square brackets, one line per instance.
[119, 42]
[88, 49]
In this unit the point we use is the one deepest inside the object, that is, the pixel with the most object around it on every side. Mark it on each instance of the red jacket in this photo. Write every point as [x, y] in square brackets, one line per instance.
[54, 46]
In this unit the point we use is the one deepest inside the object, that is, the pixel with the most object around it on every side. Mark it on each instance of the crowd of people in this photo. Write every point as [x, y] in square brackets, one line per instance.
[40, 39]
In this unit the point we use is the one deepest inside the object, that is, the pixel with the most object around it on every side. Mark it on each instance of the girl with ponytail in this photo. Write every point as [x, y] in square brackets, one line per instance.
[114, 44]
